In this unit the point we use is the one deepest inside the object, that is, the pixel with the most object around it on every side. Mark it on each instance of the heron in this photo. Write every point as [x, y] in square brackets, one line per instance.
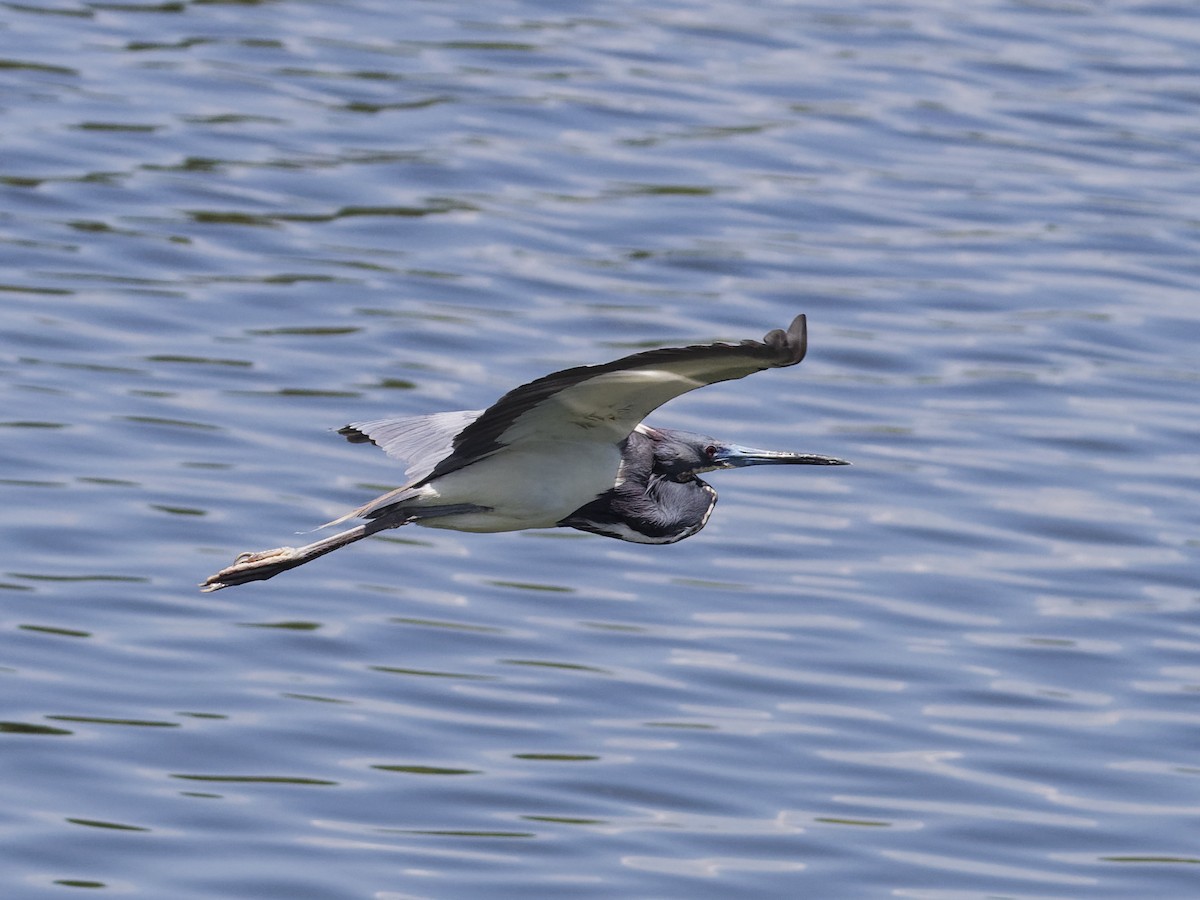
[569, 449]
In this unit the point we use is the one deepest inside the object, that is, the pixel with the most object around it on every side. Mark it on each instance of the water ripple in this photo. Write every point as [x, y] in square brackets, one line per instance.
[964, 667]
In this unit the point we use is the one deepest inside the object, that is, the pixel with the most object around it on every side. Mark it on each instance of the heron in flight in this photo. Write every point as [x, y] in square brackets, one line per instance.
[569, 449]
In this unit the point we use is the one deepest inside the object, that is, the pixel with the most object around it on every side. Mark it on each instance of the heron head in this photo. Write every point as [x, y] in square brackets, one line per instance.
[678, 454]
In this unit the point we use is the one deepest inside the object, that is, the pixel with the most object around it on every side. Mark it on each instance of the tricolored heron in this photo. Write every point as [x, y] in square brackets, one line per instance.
[569, 449]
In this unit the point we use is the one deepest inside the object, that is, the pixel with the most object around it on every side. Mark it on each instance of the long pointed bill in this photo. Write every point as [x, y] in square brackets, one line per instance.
[734, 457]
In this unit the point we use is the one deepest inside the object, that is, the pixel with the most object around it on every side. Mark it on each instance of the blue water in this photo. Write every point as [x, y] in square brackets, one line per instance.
[966, 667]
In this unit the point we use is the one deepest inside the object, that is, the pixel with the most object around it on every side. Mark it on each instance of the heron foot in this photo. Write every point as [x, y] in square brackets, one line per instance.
[260, 556]
[249, 566]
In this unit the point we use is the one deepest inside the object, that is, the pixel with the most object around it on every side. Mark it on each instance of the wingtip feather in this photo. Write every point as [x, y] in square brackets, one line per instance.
[353, 435]
[791, 344]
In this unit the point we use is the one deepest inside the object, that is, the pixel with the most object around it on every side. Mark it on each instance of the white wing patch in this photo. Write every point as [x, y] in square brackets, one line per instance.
[605, 408]
[420, 442]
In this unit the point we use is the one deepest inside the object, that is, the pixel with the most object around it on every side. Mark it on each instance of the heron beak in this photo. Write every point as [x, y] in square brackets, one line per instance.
[734, 457]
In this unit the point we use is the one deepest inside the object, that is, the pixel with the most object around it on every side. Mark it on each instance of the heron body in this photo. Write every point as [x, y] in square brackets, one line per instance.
[569, 449]
[645, 505]
[534, 486]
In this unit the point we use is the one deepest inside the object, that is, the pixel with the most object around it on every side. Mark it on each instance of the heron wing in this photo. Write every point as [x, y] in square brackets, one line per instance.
[420, 442]
[605, 402]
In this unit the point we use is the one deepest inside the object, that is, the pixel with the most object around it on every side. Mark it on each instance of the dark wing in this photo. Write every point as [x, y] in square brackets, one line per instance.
[604, 403]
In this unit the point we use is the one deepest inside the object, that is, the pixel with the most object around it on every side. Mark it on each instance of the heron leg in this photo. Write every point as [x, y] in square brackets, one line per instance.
[264, 564]
[268, 563]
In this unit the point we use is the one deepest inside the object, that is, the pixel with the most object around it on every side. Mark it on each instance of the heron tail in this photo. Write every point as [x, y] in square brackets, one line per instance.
[269, 563]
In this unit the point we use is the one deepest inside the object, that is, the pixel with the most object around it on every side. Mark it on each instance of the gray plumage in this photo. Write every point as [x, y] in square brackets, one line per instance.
[568, 449]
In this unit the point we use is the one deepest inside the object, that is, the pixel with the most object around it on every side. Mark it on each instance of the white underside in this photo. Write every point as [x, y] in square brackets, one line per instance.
[536, 486]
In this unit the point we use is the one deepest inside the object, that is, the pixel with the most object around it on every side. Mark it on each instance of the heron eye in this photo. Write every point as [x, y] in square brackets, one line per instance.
[710, 451]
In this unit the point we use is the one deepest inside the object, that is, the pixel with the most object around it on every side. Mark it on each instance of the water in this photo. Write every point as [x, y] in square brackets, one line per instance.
[965, 667]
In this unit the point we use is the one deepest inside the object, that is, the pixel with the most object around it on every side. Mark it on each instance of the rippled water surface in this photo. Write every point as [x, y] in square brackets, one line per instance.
[966, 667]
